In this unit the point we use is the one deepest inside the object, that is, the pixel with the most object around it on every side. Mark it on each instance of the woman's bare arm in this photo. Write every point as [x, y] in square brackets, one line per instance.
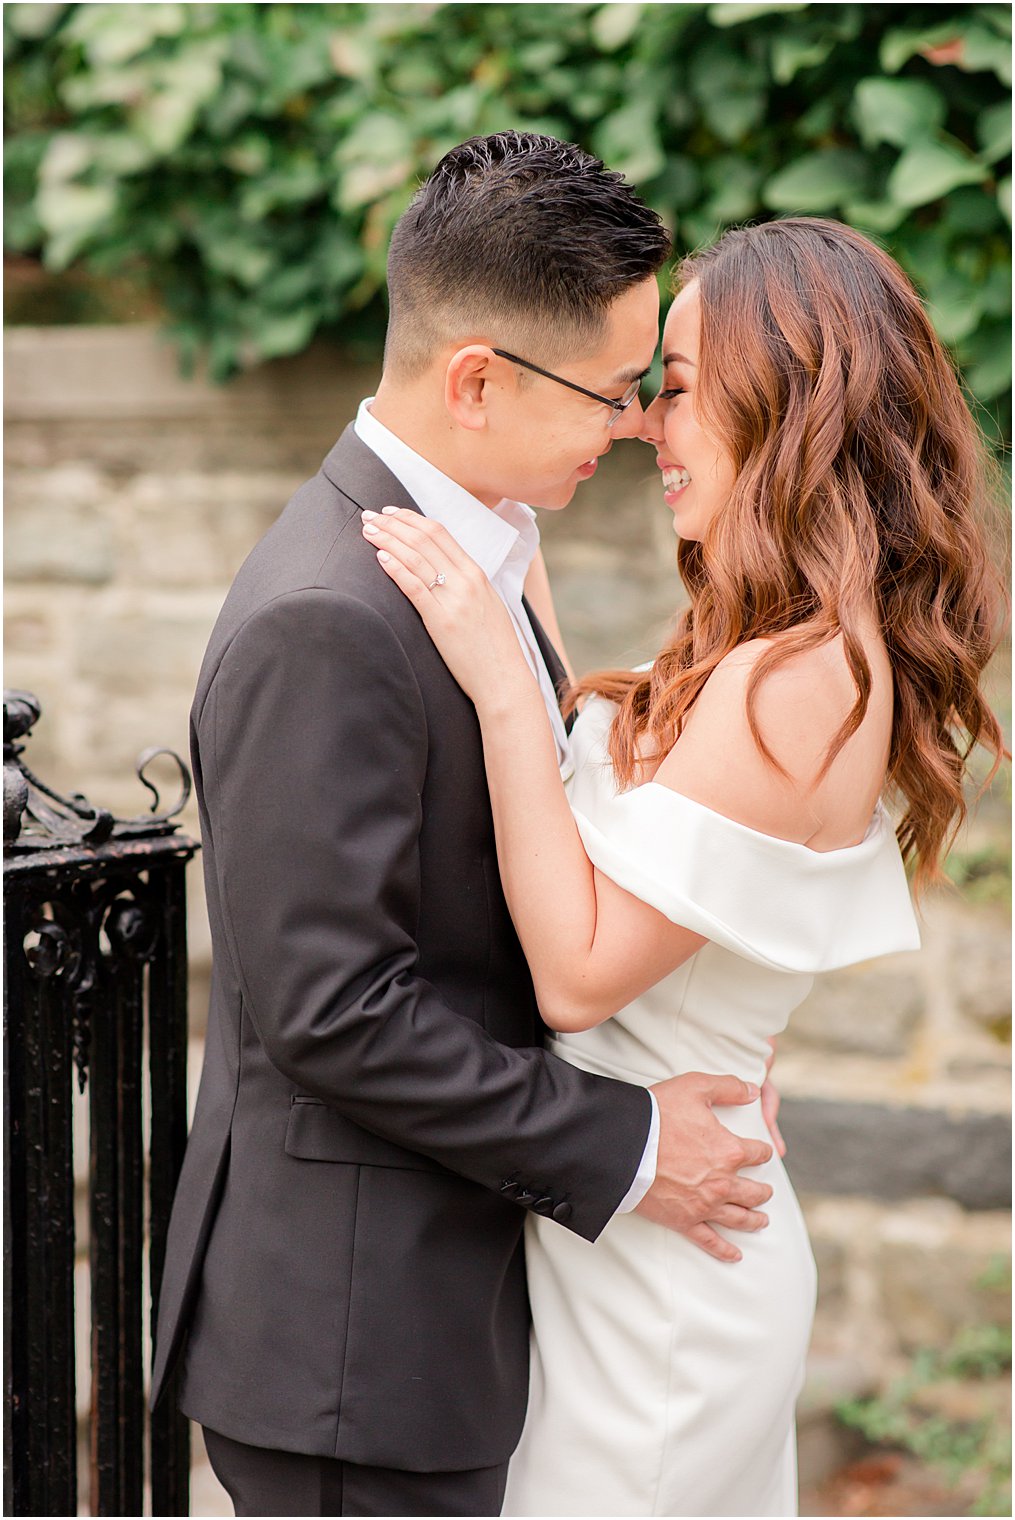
[591, 946]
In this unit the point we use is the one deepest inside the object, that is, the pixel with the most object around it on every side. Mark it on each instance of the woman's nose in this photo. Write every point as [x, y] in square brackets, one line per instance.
[651, 423]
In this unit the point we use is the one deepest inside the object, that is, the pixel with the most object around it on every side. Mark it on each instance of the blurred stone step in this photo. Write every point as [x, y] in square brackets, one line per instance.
[877, 1150]
[824, 1444]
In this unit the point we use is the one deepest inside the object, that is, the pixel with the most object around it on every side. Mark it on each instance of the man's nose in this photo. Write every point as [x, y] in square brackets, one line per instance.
[629, 423]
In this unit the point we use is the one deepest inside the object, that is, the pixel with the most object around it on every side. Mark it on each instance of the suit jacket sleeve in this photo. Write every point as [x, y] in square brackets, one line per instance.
[313, 749]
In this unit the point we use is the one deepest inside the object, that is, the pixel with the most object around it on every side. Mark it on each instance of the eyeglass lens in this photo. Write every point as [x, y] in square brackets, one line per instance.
[625, 401]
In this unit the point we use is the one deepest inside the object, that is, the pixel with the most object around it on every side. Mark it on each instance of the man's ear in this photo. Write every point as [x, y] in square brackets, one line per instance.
[465, 385]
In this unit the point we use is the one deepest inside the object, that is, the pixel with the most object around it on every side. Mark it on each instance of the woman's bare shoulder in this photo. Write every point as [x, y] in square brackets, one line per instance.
[798, 707]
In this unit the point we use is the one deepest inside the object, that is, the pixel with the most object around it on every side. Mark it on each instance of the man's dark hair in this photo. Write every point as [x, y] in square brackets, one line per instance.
[521, 240]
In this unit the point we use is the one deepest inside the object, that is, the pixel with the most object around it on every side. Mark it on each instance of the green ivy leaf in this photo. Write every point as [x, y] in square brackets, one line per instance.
[954, 307]
[993, 132]
[298, 181]
[990, 376]
[231, 254]
[679, 185]
[736, 15]
[900, 44]
[730, 90]
[819, 121]
[818, 181]
[735, 183]
[972, 211]
[960, 43]
[113, 34]
[874, 216]
[791, 53]
[178, 88]
[614, 25]
[69, 215]
[288, 334]
[897, 111]
[984, 52]
[376, 156]
[628, 140]
[995, 292]
[33, 22]
[928, 171]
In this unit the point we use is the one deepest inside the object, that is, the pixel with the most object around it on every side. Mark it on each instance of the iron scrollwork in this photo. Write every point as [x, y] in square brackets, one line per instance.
[95, 986]
[91, 931]
[36, 817]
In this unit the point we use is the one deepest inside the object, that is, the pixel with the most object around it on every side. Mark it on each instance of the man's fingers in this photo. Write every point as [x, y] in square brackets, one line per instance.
[712, 1244]
[723, 1092]
[747, 1193]
[734, 1218]
[755, 1152]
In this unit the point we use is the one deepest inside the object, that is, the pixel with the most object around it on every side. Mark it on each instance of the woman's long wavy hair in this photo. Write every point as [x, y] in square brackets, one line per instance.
[860, 479]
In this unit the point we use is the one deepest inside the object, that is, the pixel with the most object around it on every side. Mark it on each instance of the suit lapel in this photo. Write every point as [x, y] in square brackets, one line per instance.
[351, 466]
[558, 675]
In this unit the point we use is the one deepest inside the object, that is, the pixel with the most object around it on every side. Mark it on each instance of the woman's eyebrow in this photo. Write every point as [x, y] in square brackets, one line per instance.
[678, 359]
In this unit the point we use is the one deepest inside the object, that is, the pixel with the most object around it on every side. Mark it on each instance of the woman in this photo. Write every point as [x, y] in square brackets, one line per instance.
[724, 837]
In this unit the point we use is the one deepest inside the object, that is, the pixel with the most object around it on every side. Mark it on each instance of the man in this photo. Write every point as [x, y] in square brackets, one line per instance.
[376, 1112]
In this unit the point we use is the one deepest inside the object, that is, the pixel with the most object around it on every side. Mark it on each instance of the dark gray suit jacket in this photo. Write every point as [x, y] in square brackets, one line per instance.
[344, 1272]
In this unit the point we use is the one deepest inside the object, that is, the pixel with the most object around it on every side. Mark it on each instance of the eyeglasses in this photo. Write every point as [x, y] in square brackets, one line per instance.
[617, 407]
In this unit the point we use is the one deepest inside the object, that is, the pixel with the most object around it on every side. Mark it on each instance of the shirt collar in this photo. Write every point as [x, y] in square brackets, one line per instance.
[488, 535]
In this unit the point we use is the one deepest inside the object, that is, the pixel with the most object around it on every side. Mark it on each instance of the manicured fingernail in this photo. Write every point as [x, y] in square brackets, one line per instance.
[754, 1090]
[367, 513]
[382, 555]
[371, 527]
[389, 511]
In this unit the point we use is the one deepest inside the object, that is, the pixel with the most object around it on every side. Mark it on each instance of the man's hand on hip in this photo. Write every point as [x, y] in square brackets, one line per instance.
[697, 1184]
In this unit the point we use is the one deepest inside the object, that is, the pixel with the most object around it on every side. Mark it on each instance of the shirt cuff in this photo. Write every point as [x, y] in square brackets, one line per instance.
[646, 1173]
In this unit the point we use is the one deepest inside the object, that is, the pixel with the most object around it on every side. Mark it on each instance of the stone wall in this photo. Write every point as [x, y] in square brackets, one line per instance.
[132, 497]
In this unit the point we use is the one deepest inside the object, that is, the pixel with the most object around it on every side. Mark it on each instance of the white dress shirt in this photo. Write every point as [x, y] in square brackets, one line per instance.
[503, 541]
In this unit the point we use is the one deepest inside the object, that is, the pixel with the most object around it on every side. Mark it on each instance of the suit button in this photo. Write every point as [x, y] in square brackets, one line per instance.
[562, 1213]
[526, 1199]
[510, 1189]
[543, 1206]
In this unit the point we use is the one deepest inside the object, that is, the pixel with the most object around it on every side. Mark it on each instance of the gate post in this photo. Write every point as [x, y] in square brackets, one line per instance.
[95, 961]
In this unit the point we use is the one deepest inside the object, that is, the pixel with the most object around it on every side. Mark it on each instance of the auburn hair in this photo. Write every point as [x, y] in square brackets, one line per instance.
[861, 483]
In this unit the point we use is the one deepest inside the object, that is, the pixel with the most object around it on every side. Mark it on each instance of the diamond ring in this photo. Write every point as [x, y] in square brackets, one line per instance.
[440, 579]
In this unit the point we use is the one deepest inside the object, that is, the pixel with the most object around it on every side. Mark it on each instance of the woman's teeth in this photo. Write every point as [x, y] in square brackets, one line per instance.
[675, 480]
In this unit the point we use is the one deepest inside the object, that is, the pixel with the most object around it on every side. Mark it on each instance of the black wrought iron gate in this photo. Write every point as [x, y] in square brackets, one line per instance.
[96, 975]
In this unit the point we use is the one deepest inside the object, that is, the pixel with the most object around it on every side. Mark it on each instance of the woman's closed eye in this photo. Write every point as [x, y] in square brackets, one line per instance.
[669, 395]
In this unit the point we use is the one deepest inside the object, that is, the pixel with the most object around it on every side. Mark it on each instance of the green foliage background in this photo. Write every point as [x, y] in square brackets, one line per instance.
[250, 160]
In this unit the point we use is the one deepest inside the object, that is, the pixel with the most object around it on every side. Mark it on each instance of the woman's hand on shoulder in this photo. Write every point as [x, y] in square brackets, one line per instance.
[799, 707]
[460, 609]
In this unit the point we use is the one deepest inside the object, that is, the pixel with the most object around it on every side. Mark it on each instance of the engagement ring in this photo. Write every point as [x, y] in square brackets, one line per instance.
[440, 580]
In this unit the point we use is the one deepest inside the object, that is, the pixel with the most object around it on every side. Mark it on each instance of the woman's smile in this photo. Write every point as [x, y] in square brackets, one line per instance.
[676, 479]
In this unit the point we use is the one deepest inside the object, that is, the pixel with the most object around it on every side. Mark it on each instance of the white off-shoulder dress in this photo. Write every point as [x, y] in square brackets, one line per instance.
[664, 1382]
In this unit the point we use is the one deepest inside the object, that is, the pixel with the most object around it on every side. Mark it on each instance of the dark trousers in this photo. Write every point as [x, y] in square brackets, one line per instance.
[262, 1482]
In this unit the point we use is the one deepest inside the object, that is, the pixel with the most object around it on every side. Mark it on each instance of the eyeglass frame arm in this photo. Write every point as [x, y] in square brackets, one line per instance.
[617, 406]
